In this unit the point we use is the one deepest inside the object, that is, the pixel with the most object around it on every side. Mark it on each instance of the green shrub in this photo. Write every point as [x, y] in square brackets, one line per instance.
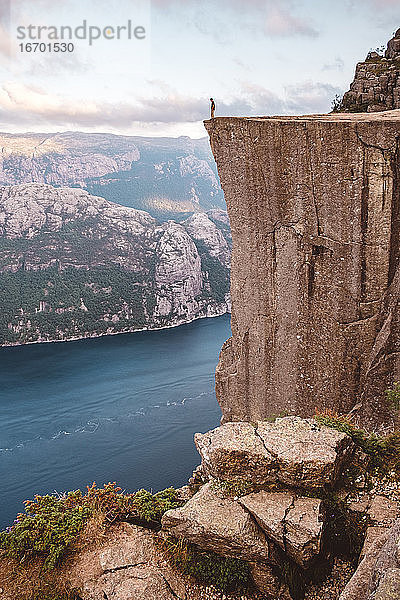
[47, 528]
[50, 524]
[384, 451]
[151, 507]
[393, 395]
[227, 574]
[232, 487]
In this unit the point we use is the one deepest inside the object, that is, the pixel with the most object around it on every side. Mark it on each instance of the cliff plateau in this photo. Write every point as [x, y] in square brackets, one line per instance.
[314, 207]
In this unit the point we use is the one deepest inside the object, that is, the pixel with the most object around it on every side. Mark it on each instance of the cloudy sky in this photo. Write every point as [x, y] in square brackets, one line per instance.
[255, 57]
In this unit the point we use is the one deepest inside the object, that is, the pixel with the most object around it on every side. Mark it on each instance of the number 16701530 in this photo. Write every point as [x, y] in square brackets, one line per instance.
[46, 47]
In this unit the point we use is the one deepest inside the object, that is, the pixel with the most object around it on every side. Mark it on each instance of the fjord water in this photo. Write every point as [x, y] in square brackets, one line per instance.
[119, 408]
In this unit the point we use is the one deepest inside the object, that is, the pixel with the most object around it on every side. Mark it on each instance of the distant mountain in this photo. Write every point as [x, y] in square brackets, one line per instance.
[171, 178]
[74, 265]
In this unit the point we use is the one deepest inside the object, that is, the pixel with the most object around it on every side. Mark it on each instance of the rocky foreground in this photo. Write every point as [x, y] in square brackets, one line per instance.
[74, 265]
[269, 494]
[296, 505]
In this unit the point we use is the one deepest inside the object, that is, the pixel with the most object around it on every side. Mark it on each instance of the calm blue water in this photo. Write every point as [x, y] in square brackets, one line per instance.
[121, 408]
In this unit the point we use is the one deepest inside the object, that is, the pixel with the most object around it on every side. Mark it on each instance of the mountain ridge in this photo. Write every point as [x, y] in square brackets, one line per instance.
[75, 265]
[168, 177]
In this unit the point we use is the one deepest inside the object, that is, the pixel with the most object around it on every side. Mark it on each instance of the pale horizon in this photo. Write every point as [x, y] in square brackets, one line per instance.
[280, 57]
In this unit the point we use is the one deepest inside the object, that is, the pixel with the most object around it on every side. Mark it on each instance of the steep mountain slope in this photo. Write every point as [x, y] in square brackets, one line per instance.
[74, 265]
[376, 84]
[168, 177]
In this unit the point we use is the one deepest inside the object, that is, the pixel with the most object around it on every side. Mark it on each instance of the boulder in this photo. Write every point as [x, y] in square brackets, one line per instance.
[389, 586]
[377, 576]
[234, 450]
[219, 525]
[293, 451]
[270, 510]
[373, 533]
[295, 524]
[383, 510]
[304, 530]
[266, 580]
[308, 455]
[126, 567]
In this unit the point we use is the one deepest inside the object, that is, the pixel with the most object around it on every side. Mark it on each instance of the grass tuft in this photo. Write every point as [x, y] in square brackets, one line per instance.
[384, 451]
[225, 573]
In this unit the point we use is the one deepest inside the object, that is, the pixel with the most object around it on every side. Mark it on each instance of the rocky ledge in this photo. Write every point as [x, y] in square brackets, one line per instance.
[271, 494]
[262, 501]
[290, 502]
[279, 495]
[292, 451]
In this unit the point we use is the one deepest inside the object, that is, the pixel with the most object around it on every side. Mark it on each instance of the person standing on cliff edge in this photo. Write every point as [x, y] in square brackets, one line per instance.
[212, 107]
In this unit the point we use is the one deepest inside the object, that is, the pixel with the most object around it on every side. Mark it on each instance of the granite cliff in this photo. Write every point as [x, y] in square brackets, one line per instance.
[74, 265]
[315, 214]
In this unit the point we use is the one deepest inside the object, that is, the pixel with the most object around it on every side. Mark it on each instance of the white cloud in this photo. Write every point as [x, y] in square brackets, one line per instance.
[336, 65]
[310, 97]
[16, 98]
[276, 18]
[5, 8]
[5, 42]
[21, 104]
[32, 104]
[385, 3]
[280, 22]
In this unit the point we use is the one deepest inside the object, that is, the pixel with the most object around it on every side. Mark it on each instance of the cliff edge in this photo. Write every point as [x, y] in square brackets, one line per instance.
[314, 206]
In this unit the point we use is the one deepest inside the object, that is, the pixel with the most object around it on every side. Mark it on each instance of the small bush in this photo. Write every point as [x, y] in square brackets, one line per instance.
[337, 103]
[393, 395]
[384, 451]
[227, 574]
[151, 507]
[50, 524]
[47, 528]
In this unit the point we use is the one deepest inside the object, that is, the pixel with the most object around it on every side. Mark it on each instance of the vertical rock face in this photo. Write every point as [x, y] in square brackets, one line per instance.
[314, 208]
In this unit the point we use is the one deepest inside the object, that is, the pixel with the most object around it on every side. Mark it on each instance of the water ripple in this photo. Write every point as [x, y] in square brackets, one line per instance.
[94, 424]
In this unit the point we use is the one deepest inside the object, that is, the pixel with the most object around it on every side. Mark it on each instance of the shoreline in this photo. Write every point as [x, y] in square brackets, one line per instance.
[100, 335]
